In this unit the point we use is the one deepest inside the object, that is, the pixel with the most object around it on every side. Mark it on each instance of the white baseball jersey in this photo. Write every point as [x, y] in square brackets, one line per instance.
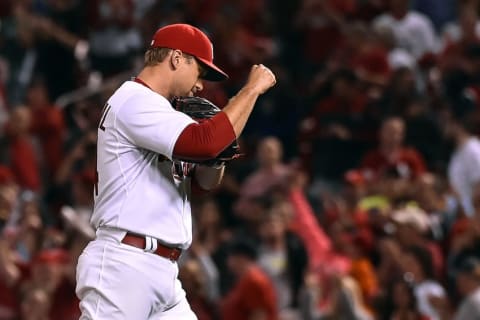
[464, 172]
[414, 32]
[139, 188]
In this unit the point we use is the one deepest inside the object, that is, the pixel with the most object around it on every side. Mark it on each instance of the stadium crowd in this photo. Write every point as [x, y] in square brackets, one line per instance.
[358, 194]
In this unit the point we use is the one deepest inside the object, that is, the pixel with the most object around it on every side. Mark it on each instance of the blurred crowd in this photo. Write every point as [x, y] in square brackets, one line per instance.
[358, 192]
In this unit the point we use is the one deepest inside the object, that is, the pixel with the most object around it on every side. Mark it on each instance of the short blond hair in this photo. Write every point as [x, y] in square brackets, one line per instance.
[154, 56]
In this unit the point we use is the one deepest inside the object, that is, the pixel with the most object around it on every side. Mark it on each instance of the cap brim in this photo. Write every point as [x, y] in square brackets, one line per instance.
[214, 73]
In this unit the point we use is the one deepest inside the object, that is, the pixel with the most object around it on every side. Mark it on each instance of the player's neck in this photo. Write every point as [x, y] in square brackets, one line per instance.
[149, 77]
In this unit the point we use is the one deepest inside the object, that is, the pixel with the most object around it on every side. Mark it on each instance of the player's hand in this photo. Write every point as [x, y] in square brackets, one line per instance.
[260, 78]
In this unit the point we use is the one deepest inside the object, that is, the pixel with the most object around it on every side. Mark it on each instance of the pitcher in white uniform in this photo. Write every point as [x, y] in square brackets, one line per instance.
[142, 210]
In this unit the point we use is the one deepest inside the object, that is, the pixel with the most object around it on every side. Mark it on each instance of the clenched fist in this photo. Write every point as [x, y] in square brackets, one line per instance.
[261, 78]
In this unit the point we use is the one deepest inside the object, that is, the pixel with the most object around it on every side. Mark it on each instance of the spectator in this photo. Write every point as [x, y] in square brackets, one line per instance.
[332, 297]
[305, 225]
[209, 231]
[28, 232]
[238, 47]
[423, 132]
[22, 155]
[10, 276]
[363, 53]
[464, 162]
[9, 197]
[47, 125]
[392, 158]
[79, 158]
[35, 305]
[401, 303]
[466, 28]
[397, 57]
[206, 251]
[335, 123]
[271, 173]
[19, 48]
[413, 31]
[400, 92]
[48, 273]
[348, 241]
[113, 40]
[464, 241]
[413, 227]
[283, 257]
[62, 16]
[320, 20]
[194, 283]
[417, 263]
[457, 60]
[253, 296]
[468, 285]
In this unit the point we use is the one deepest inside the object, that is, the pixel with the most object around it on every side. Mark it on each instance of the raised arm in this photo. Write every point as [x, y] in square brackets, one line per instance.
[241, 105]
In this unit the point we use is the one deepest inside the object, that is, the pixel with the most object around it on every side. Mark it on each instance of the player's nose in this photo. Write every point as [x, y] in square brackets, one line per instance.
[198, 85]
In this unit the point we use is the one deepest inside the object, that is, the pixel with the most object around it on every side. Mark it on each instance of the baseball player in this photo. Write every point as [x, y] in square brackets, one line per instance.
[142, 210]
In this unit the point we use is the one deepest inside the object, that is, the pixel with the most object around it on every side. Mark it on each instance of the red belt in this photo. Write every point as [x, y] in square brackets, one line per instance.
[140, 242]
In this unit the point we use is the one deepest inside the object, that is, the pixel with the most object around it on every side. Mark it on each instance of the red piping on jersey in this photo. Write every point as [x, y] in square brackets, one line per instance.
[205, 140]
[138, 80]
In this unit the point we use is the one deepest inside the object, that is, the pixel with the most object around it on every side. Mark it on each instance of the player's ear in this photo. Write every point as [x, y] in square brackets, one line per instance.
[175, 58]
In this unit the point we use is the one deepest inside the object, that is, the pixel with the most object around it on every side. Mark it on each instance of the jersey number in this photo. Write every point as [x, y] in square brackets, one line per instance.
[105, 110]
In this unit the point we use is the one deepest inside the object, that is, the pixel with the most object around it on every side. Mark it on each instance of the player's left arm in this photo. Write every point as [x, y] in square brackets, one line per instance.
[208, 178]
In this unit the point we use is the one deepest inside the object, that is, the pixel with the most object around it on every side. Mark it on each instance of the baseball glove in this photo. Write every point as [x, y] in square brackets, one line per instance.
[201, 109]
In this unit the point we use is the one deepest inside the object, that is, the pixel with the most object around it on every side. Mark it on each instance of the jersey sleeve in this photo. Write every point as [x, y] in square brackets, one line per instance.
[151, 124]
[205, 140]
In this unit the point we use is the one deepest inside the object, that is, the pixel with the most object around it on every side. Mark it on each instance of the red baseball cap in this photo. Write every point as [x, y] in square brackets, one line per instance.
[190, 40]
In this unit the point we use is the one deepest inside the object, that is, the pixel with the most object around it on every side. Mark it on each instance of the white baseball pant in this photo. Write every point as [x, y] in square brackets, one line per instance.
[116, 281]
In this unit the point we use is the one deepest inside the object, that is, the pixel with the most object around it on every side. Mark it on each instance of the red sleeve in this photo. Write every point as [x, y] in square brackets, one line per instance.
[205, 140]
